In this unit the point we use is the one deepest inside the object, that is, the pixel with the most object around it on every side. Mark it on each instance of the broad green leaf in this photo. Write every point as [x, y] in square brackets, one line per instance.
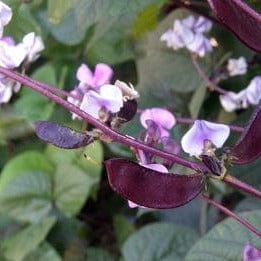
[163, 70]
[71, 188]
[248, 204]
[159, 242]
[197, 101]
[83, 14]
[123, 228]
[26, 187]
[43, 253]
[32, 105]
[226, 240]
[17, 246]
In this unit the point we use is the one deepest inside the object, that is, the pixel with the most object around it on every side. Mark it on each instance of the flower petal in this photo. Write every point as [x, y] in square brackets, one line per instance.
[163, 118]
[237, 66]
[253, 91]
[193, 141]
[102, 74]
[5, 16]
[85, 75]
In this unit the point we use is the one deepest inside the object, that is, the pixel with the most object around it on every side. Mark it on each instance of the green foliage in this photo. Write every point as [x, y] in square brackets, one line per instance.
[30, 104]
[159, 241]
[17, 246]
[226, 240]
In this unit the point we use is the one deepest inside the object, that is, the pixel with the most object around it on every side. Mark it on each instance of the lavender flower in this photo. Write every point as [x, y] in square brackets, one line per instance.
[237, 66]
[251, 253]
[5, 16]
[102, 75]
[189, 33]
[201, 132]
[163, 118]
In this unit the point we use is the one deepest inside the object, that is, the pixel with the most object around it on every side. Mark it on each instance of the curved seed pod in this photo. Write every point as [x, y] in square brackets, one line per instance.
[212, 163]
[128, 111]
[242, 20]
[150, 188]
[248, 147]
[61, 136]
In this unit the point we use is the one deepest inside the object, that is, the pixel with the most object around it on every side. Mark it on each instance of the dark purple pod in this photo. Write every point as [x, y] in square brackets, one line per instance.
[128, 111]
[242, 20]
[61, 136]
[248, 146]
[212, 163]
[150, 188]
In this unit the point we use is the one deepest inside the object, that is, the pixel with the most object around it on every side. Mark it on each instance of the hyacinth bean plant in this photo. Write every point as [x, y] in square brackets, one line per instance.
[199, 58]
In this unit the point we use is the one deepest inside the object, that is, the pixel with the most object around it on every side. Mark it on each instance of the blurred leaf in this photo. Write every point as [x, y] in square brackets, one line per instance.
[146, 20]
[123, 228]
[17, 246]
[197, 101]
[25, 187]
[12, 125]
[159, 242]
[162, 69]
[32, 105]
[226, 240]
[22, 22]
[97, 254]
[57, 10]
[248, 204]
[43, 253]
[74, 24]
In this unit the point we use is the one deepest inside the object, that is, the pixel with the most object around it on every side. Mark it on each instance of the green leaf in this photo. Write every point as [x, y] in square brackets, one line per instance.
[163, 70]
[159, 242]
[43, 253]
[226, 240]
[97, 254]
[26, 187]
[17, 246]
[31, 104]
[22, 22]
[71, 188]
[197, 101]
[57, 9]
[83, 14]
[123, 228]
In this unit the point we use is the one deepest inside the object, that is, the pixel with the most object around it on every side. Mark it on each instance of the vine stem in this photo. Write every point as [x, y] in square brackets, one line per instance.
[182, 120]
[230, 180]
[99, 125]
[232, 215]
[211, 85]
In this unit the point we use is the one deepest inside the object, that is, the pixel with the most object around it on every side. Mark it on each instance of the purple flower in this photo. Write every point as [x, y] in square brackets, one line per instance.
[193, 141]
[5, 16]
[102, 75]
[7, 87]
[157, 167]
[253, 91]
[109, 98]
[163, 118]
[251, 253]
[189, 33]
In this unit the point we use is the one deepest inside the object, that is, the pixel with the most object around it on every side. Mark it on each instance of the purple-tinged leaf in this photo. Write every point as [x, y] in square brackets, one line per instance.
[61, 136]
[242, 20]
[248, 147]
[150, 188]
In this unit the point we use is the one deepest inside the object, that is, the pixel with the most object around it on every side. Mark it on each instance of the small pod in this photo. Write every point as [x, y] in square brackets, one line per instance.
[61, 136]
[150, 188]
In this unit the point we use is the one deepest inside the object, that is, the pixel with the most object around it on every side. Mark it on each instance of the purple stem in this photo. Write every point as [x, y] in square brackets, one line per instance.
[211, 85]
[242, 186]
[105, 129]
[191, 121]
[232, 215]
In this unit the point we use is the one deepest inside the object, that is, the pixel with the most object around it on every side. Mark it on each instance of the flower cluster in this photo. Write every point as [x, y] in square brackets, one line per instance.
[251, 95]
[96, 96]
[250, 253]
[12, 55]
[189, 33]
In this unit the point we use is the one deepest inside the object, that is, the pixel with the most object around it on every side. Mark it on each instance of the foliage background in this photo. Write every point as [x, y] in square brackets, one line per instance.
[56, 205]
